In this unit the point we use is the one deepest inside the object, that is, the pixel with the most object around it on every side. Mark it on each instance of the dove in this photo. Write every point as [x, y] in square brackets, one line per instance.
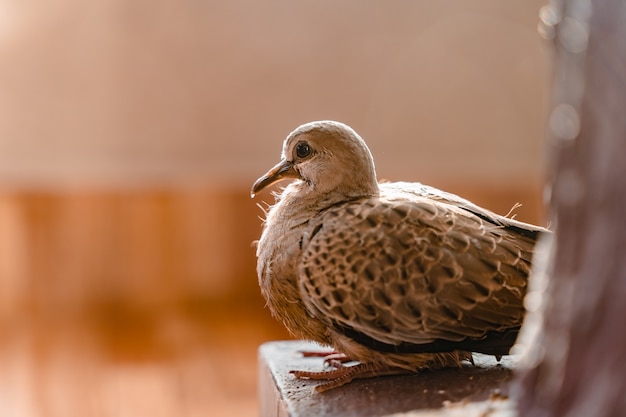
[396, 277]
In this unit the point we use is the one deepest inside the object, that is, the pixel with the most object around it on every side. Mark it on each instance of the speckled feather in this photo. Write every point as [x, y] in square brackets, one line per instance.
[395, 275]
[402, 268]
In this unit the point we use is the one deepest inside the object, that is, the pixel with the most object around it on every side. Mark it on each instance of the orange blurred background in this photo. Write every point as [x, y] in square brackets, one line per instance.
[131, 132]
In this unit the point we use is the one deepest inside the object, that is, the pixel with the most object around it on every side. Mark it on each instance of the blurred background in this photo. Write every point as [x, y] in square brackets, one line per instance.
[131, 132]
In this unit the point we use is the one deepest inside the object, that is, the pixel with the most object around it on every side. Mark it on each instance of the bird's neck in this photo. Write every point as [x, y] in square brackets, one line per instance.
[300, 197]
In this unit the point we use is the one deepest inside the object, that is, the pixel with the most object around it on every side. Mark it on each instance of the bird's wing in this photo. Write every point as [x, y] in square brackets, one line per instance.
[421, 190]
[414, 275]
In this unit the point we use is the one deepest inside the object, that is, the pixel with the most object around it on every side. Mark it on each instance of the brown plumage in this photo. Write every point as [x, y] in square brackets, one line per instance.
[397, 276]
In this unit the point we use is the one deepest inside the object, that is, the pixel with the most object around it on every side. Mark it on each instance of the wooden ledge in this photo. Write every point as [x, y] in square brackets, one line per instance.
[479, 390]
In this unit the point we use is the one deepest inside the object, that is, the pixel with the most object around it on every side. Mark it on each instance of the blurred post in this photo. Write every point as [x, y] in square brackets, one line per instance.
[577, 365]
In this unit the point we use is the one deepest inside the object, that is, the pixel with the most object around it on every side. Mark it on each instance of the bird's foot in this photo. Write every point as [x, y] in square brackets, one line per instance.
[337, 377]
[332, 359]
[341, 375]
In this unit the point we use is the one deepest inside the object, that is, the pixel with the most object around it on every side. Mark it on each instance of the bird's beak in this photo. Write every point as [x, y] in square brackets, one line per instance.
[283, 170]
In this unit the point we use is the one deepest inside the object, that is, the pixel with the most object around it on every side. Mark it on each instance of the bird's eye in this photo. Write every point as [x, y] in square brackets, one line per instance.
[303, 150]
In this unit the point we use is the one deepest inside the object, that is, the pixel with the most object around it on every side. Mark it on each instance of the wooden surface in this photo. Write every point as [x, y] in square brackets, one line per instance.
[150, 293]
[479, 390]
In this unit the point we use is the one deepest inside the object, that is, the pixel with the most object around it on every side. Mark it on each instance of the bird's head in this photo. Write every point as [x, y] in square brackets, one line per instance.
[328, 158]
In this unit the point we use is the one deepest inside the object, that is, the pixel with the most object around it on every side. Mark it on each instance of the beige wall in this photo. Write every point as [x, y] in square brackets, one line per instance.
[118, 92]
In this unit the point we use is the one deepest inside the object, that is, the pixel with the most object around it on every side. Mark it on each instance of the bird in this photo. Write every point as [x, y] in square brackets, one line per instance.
[396, 277]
